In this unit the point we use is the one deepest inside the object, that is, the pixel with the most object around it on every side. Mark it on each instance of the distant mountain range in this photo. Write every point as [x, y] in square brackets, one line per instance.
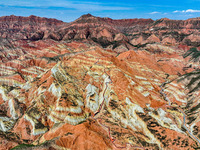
[126, 33]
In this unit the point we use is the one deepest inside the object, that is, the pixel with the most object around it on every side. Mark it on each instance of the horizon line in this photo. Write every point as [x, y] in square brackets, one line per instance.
[98, 17]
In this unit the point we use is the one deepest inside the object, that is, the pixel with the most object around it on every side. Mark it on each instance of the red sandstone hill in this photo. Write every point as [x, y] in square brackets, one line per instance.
[107, 32]
[31, 20]
[120, 24]
[32, 27]
[193, 23]
[127, 33]
[98, 83]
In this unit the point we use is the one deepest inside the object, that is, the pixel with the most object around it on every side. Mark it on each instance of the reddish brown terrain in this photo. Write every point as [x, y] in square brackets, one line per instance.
[98, 83]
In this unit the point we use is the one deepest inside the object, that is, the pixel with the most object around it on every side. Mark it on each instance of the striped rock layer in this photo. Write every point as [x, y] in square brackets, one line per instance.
[80, 96]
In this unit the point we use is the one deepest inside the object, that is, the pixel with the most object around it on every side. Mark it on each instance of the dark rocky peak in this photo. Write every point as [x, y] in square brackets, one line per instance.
[87, 15]
[87, 18]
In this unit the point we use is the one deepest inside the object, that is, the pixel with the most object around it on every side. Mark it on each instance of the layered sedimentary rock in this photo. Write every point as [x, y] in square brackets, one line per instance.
[103, 31]
[32, 27]
[74, 94]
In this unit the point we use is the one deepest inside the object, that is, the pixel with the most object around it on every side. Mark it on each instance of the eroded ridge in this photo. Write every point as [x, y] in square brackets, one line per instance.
[131, 100]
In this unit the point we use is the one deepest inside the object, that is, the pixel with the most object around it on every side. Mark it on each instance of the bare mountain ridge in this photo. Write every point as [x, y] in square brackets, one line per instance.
[103, 31]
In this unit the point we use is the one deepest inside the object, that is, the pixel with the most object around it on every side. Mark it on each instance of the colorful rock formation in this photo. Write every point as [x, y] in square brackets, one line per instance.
[89, 85]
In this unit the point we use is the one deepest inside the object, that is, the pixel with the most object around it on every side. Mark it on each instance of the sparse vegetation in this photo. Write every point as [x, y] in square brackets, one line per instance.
[194, 54]
[194, 76]
[22, 146]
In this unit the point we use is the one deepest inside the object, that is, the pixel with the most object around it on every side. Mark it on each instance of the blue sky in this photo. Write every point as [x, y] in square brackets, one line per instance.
[69, 10]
